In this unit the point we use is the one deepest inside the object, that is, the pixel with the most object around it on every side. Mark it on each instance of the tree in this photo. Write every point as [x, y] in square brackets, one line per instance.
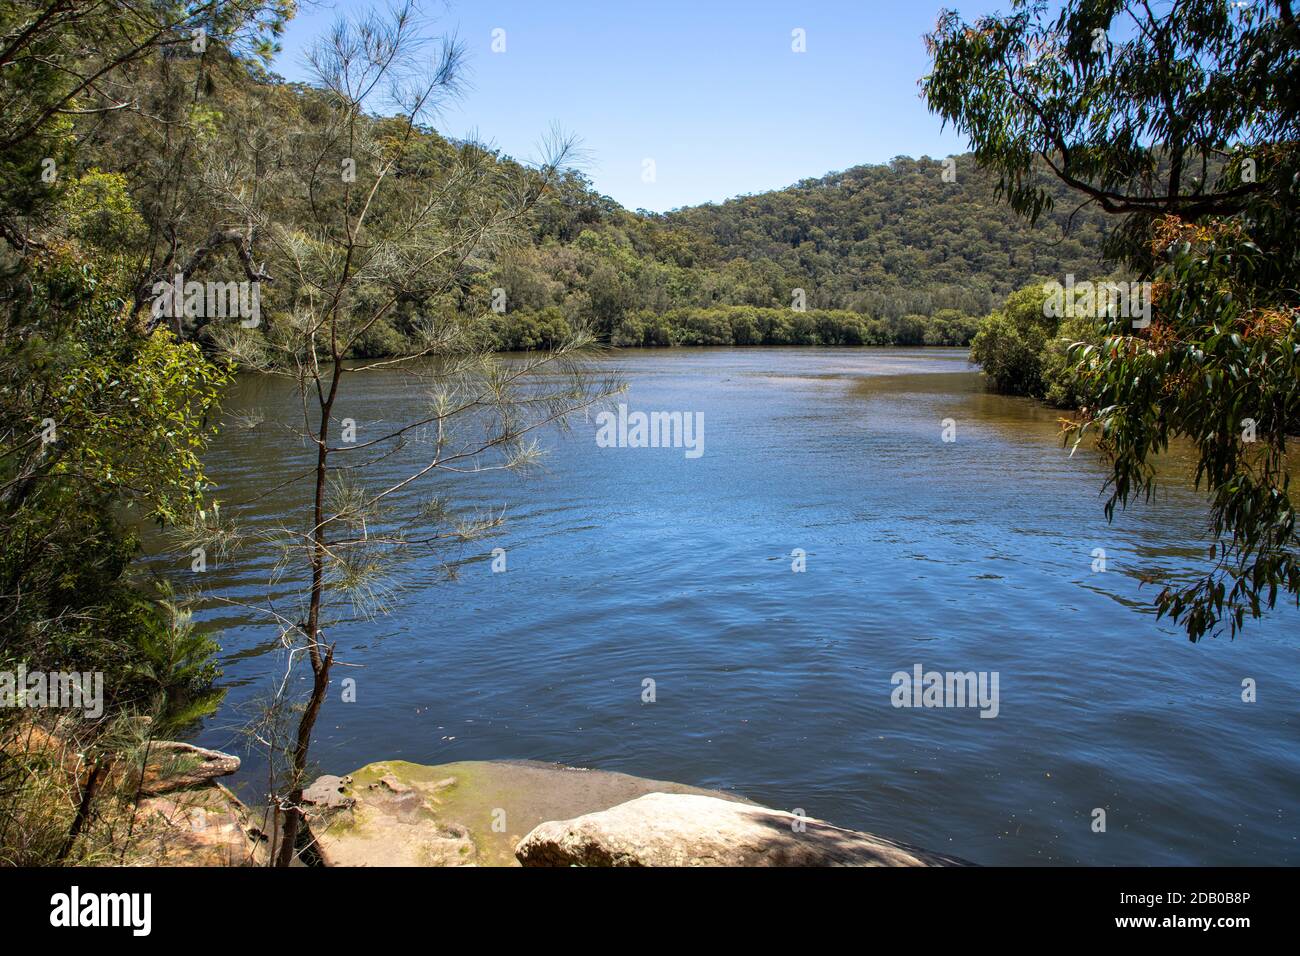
[102, 425]
[390, 223]
[102, 421]
[68, 60]
[1184, 125]
[1010, 342]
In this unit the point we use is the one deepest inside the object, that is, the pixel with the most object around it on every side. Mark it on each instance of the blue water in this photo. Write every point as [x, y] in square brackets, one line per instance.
[631, 563]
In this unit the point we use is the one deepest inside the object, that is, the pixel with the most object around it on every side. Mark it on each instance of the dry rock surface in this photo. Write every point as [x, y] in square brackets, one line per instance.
[207, 826]
[507, 813]
[471, 813]
[189, 819]
[673, 829]
[175, 766]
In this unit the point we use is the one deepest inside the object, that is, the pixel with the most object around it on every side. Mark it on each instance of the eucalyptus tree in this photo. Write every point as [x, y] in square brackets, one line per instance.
[1182, 122]
[97, 419]
[68, 62]
[396, 223]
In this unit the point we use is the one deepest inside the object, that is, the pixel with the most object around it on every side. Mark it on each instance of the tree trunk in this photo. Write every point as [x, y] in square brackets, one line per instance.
[83, 808]
[293, 814]
[320, 663]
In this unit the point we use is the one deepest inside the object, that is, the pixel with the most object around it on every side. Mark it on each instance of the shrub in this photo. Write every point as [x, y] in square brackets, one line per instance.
[379, 341]
[1062, 384]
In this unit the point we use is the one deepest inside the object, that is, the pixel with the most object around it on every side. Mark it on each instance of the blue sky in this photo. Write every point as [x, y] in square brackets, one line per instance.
[710, 90]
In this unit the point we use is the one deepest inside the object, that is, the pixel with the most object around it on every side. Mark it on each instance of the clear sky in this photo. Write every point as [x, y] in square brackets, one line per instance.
[710, 90]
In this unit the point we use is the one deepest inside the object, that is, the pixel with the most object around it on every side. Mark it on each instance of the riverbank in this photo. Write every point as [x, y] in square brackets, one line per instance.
[744, 325]
[500, 813]
[528, 813]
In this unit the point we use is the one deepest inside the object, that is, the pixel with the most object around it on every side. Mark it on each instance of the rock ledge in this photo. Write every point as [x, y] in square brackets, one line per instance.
[512, 813]
[672, 829]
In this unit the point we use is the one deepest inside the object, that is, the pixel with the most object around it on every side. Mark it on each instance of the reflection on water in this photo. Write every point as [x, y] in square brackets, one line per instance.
[626, 564]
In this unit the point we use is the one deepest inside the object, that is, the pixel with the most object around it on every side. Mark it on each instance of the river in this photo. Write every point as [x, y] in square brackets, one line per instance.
[628, 564]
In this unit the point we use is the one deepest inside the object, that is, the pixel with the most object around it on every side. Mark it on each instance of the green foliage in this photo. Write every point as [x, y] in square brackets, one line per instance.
[1064, 385]
[97, 418]
[1010, 343]
[526, 331]
[1183, 121]
[749, 325]
[378, 341]
[950, 327]
[893, 244]
[886, 240]
[1022, 350]
[96, 208]
[889, 243]
[1221, 370]
[97, 402]
[1010, 355]
[896, 257]
[1133, 108]
[172, 664]
[102, 421]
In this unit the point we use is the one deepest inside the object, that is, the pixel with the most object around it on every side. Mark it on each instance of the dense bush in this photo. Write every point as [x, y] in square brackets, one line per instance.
[751, 325]
[881, 241]
[526, 331]
[1062, 385]
[378, 341]
[1024, 351]
[733, 325]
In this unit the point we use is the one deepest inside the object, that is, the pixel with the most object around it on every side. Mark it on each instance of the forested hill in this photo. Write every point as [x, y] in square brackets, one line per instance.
[896, 238]
[879, 251]
[894, 244]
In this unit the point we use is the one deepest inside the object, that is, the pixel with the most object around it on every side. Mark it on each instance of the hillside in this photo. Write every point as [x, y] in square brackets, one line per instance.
[879, 251]
[896, 238]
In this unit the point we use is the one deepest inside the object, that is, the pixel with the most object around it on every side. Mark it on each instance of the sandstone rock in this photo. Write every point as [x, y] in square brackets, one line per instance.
[329, 793]
[666, 829]
[184, 817]
[467, 813]
[178, 766]
[391, 784]
[388, 823]
[172, 765]
[204, 827]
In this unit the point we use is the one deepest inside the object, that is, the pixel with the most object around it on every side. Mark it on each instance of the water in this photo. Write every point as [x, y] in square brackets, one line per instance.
[627, 564]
